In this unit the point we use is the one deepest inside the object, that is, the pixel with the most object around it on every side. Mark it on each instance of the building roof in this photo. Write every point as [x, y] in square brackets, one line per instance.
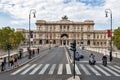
[65, 21]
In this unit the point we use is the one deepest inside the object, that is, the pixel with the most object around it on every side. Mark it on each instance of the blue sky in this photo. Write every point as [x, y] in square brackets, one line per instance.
[14, 13]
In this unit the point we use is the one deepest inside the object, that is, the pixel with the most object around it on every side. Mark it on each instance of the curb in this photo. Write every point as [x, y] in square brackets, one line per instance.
[30, 60]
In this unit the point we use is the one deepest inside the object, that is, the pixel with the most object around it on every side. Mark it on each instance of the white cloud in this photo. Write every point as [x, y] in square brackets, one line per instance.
[55, 9]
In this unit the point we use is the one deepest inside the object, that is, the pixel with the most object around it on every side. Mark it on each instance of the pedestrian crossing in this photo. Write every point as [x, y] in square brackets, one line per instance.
[67, 69]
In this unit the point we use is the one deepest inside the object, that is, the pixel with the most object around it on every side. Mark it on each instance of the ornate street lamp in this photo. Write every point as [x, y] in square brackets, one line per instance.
[110, 12]
[33, 11]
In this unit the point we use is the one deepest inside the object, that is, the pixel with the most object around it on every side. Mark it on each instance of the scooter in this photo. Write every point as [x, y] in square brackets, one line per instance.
[92, 61]
[105, 61]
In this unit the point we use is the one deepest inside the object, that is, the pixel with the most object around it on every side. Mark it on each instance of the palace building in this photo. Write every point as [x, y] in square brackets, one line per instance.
[63, 32]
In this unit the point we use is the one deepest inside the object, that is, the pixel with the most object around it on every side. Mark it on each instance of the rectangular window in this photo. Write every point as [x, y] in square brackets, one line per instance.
[88, 28]
[104, 37]
[64, 26]
[101, 36]
[60, 26]
[97, 36]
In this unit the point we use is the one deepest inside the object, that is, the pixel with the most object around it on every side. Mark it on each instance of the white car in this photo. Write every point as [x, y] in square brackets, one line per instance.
[78, 56]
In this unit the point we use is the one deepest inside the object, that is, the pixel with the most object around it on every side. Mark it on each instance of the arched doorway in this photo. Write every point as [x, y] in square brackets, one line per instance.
[64, 40]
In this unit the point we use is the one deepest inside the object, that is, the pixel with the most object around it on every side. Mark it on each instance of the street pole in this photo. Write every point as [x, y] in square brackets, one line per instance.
[82, 46]
[74, 66]
[110, 12]
[33, 11]
[74, 59]
[8, 47]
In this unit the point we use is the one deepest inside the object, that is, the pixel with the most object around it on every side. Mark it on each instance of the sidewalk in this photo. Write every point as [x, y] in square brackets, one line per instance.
[115, 54]
[24, 59]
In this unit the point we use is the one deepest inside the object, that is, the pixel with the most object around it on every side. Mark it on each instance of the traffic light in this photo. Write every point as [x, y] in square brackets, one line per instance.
[9, 46]
[73, 46]
[31, 34]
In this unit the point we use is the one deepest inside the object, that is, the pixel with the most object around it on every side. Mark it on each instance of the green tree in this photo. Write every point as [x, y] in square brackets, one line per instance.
[116, 37]
[9, 36]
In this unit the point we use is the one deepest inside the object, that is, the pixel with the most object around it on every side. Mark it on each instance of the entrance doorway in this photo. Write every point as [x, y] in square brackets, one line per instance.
[64, 40]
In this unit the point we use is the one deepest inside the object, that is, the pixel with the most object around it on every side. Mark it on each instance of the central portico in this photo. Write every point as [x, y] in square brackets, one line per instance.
[64, 39]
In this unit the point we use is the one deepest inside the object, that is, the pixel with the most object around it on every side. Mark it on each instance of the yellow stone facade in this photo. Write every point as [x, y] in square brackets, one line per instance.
[63, 32]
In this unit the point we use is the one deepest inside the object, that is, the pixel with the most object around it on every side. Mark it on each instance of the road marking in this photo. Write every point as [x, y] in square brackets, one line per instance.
[110, 70]
[60, 69]
[107, 74]
[44, 69]
[92, 69]
[117, 66]
[114, 68]
[84, 69]
[67, 56]
[77, 70]
[20, 69]
[28, 69]
[52, 69]
[36, 69]
[68, 69]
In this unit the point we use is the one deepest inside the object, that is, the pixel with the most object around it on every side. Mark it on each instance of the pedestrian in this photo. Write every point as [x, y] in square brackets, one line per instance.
[38, 50]
[18, 55]
[2, 65]
[16, 60]
[20, 52]
[29, 52]
[12, 61]
[33, 52]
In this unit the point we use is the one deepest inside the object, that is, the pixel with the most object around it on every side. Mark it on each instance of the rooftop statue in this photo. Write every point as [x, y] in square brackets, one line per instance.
[65, 17]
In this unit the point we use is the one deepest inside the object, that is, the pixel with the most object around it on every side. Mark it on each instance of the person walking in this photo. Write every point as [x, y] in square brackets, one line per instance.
[2, 65]
[38, 50]
[16, 60]
[33, 52]
[12, 61]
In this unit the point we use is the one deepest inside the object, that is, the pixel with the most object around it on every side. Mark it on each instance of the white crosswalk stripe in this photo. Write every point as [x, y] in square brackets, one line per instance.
[51, 69]
[44, 69]
[116, 74]
[84, 69]
[92, 69]
[68, 70]
[77, 70]
[31, 67]
[36, 69]
[20, 69]
[114, 68]
[107, 74]
[117, 66]
[60, 69]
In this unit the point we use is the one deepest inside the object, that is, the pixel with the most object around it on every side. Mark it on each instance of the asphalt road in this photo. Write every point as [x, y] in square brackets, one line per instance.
[54, 65]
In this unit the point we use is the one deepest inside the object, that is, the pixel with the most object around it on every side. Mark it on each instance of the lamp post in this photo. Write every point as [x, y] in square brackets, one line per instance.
[110, 12]
[82, 45]
[33, 11]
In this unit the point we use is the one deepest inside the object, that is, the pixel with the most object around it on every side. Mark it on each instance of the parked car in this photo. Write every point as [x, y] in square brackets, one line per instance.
[78, 56]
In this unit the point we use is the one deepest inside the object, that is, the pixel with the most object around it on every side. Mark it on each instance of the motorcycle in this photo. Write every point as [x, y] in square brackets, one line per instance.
[92, 61]
[104, 60]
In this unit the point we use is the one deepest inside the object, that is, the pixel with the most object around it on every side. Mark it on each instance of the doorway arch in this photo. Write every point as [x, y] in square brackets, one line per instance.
[64, 39]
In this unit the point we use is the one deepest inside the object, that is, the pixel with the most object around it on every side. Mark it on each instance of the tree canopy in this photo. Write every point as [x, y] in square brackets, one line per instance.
[9, 36]
[116, 37]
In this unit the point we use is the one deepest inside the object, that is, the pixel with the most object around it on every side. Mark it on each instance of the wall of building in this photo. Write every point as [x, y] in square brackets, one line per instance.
[63, 32]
